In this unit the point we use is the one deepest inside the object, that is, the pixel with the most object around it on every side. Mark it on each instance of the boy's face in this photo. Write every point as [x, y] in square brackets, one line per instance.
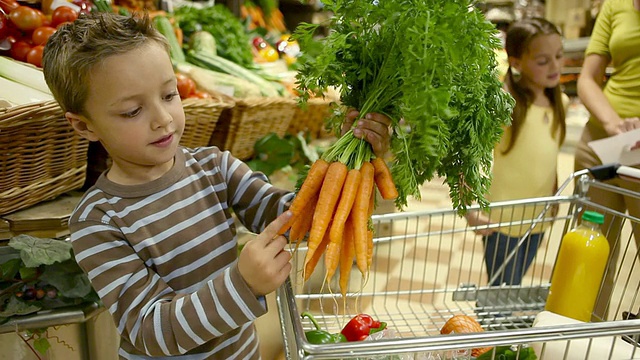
[134, 110]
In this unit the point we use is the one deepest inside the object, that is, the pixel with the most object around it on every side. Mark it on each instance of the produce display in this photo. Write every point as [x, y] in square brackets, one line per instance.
[218, 51]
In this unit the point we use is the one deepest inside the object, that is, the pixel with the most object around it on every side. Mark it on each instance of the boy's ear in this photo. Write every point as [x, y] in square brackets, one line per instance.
[81, 126]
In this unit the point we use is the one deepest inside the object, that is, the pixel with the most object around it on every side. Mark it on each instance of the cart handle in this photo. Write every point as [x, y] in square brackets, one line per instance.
[609, 171]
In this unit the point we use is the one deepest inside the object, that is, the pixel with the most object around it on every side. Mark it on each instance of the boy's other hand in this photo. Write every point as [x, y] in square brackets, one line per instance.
[263, 262]
[374, 128]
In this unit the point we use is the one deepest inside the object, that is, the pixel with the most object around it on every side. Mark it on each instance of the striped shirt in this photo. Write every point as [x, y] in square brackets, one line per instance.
[162, 256]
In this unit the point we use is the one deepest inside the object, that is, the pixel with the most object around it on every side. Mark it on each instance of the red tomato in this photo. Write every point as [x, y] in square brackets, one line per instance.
[41, 35]
[4, 27]
[34, 56]
[19, 50]
[201, 95]
[8, 5]
[186, 86]
[62, 24]
[46, 20]
[26, 18]
[63, 14]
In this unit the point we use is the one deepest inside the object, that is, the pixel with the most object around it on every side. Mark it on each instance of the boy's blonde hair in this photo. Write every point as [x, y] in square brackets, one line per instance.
[74, 49]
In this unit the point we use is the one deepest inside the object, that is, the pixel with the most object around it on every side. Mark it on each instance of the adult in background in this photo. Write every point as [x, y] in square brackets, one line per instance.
[614, 108]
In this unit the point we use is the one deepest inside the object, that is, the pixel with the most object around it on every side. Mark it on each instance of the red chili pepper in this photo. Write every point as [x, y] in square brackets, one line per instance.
[359, 327]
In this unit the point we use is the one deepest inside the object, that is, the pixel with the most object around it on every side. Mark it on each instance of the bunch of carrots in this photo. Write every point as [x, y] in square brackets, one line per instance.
[334, 205]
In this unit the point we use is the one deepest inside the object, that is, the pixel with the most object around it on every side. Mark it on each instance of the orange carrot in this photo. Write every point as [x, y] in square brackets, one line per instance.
[360, 216]
[336, 232]
[383, 179]
[348, 196]
[309, 188]
[346, 257]
[369, 248]
[372, 202]
[327, 201]
[331, 258]
[302, 224]
[310, 265]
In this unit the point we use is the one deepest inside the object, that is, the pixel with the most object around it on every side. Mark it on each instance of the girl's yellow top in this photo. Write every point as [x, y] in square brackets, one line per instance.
[529, 170]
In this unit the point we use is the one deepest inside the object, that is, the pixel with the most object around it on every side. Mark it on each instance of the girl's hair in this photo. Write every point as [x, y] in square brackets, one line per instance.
[519, 36]
[74, 49]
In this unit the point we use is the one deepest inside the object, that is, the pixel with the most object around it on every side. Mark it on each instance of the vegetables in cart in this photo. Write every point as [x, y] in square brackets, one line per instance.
[319, 336]
[459, 324]
[361, 326]
[431, 64]
[509, 353]
[357, 329]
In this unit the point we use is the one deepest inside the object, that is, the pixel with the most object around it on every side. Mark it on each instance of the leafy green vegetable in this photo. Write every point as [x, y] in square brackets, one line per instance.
[232, 42]
[35, 251]
[17, 307]
[431, 64]
[274, 153]
[44, 277]
[9, 269]
[41, 344]
[69, 279]
[509, 353]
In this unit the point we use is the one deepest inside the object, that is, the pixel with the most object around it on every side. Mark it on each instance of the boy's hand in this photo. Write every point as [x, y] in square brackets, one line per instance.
[374, 128]
[263, 262]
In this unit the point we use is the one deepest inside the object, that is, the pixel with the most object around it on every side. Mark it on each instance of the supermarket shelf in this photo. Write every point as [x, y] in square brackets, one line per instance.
[576, 45]
[575, 70]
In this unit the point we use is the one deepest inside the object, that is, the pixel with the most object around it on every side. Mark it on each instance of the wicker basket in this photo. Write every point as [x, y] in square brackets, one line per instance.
[311, 120]
[201, 117]
[41, 156]
[241, 126]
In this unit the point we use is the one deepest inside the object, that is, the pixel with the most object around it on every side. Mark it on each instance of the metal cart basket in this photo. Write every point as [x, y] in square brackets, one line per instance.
[429, 266]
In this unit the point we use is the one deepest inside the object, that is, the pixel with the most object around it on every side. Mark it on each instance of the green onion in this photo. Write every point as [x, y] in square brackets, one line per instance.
[23, 74]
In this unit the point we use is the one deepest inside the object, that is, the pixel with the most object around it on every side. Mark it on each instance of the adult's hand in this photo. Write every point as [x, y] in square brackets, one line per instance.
[627, 124]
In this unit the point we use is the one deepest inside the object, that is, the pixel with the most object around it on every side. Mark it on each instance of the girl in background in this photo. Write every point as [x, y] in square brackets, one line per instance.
[525, 159]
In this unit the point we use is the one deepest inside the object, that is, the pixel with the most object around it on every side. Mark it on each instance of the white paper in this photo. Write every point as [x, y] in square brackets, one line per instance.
[617, 149]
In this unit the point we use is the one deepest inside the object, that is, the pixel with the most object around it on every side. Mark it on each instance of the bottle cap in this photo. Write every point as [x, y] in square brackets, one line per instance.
[594, 217]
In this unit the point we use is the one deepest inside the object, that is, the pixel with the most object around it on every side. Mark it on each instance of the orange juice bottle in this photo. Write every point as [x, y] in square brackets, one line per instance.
[579, 269]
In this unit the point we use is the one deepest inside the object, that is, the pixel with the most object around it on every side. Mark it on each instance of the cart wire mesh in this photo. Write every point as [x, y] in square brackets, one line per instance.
[430, 265]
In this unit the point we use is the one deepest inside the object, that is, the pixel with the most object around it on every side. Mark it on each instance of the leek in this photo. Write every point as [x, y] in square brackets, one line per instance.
[19, 94]
[24, 74]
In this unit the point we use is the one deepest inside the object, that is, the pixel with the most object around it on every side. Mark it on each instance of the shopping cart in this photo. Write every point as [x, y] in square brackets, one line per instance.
[429, 266]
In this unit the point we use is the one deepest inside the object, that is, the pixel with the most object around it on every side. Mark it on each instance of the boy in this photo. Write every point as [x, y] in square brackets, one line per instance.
[155, 234]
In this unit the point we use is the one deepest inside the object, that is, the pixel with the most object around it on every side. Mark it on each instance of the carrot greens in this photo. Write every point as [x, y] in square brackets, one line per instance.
[430, 66]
